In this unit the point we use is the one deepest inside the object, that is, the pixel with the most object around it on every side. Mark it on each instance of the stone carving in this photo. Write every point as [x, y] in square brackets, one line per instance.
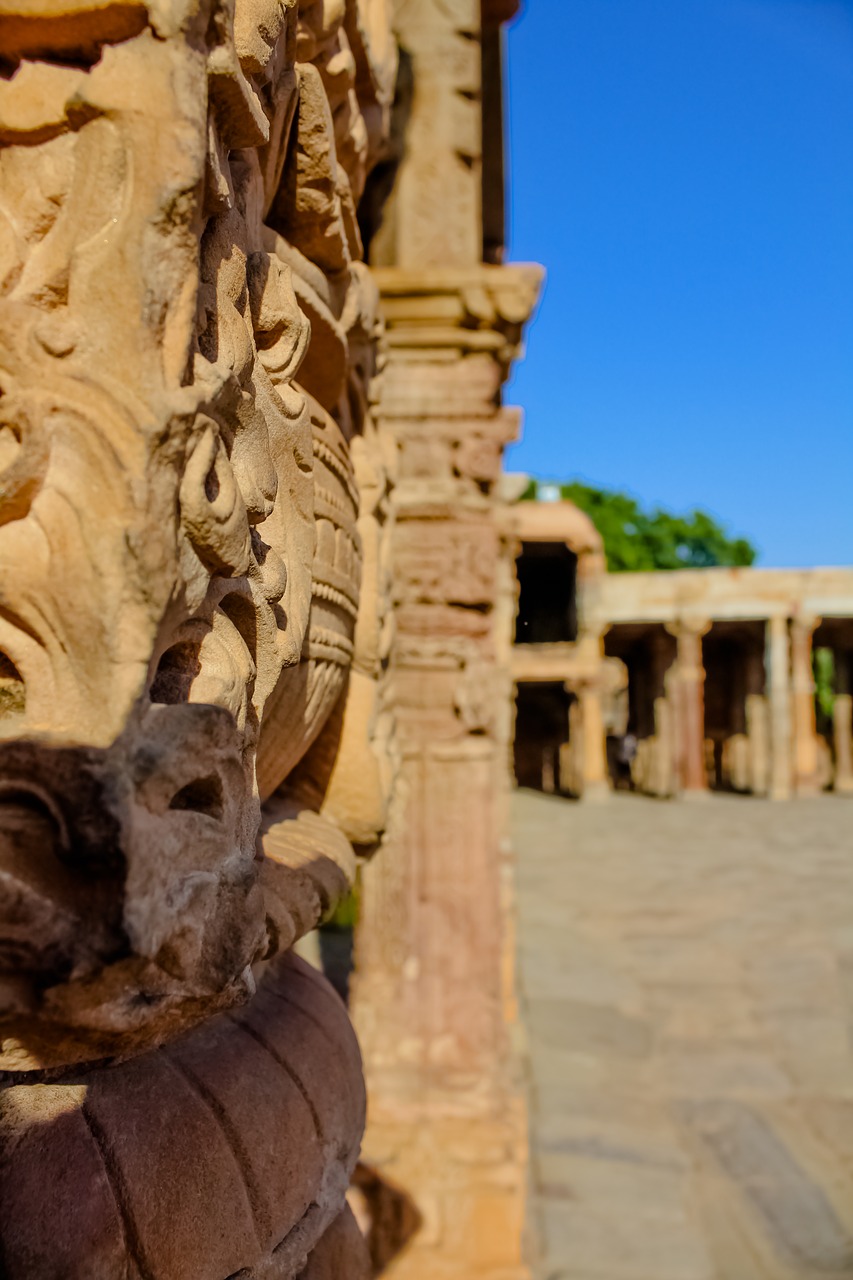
[187, 346]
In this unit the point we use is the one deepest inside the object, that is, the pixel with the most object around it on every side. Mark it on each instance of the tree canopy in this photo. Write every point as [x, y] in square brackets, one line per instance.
[635, 539]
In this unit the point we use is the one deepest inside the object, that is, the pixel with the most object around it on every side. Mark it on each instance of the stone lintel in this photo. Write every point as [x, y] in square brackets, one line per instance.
[551, 663]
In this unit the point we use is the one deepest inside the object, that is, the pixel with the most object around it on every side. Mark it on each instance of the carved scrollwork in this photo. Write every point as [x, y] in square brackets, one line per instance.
[180, 541]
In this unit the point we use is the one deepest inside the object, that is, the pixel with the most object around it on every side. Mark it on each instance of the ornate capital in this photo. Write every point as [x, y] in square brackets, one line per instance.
[688, 626]
[471, 310]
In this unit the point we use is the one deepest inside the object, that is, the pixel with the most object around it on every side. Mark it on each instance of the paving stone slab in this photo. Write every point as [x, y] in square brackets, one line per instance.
[687, 991]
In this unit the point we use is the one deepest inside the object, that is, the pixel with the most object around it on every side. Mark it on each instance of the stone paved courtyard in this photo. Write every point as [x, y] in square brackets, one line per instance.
[686, 976]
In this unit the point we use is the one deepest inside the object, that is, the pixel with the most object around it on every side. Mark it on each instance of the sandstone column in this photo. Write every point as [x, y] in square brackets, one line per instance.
[431, 995]
[664, 772]
[594, 780]
[777, 664]
[571, 752]
[759, 744]
[595, 785]
[432, 991]
[842, 724]
[755, 704]
[803, 689]
[690, 697]
[663, 781]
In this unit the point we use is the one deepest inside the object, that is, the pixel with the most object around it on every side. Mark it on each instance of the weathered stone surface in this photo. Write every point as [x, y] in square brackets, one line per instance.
[180, 544]
[432, 990]
[227, 1152]
[188, 345]
[691, 1089]
[204, 703]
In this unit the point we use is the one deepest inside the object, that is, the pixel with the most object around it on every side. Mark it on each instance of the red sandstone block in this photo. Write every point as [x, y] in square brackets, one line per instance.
[60, 1217]
[169, 1163]
[268, 1122]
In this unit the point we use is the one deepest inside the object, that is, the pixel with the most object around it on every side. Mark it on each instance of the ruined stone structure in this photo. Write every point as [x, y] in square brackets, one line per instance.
[708, 673]
[191, 719]
[562, 680]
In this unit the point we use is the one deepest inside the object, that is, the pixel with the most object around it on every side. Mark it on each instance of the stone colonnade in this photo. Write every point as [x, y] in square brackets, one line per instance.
[679, 681]
[780, 739]
[749, 722]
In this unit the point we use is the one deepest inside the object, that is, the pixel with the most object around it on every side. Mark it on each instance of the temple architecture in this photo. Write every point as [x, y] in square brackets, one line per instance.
[674, 682]
[254, 326]
[265, 599]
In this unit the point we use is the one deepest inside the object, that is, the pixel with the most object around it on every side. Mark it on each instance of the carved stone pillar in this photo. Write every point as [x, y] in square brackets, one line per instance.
[803, 688]
[432, 994]
[187, 344]
[506, 604]
[778, 668]
[690, 701]
[432, 989]
[434, 213]
[842, 724]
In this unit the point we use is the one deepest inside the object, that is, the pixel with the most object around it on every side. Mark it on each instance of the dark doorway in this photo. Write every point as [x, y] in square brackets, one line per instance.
[547, 609]
[541, 729]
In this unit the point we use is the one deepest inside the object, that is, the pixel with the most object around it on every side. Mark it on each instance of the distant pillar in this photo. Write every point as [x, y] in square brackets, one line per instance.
[842, 725]
[663, 781]
[690, 699]
[778, 663]
[803, 688]
[758, 737]
[664, 773]
[571, 752]
[594, 785]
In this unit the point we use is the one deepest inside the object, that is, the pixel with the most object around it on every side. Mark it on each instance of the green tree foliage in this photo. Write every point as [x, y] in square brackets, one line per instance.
[636, 540]
[824, 674]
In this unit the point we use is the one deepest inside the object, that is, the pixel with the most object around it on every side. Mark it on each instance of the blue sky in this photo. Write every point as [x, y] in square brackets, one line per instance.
[684, 170]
